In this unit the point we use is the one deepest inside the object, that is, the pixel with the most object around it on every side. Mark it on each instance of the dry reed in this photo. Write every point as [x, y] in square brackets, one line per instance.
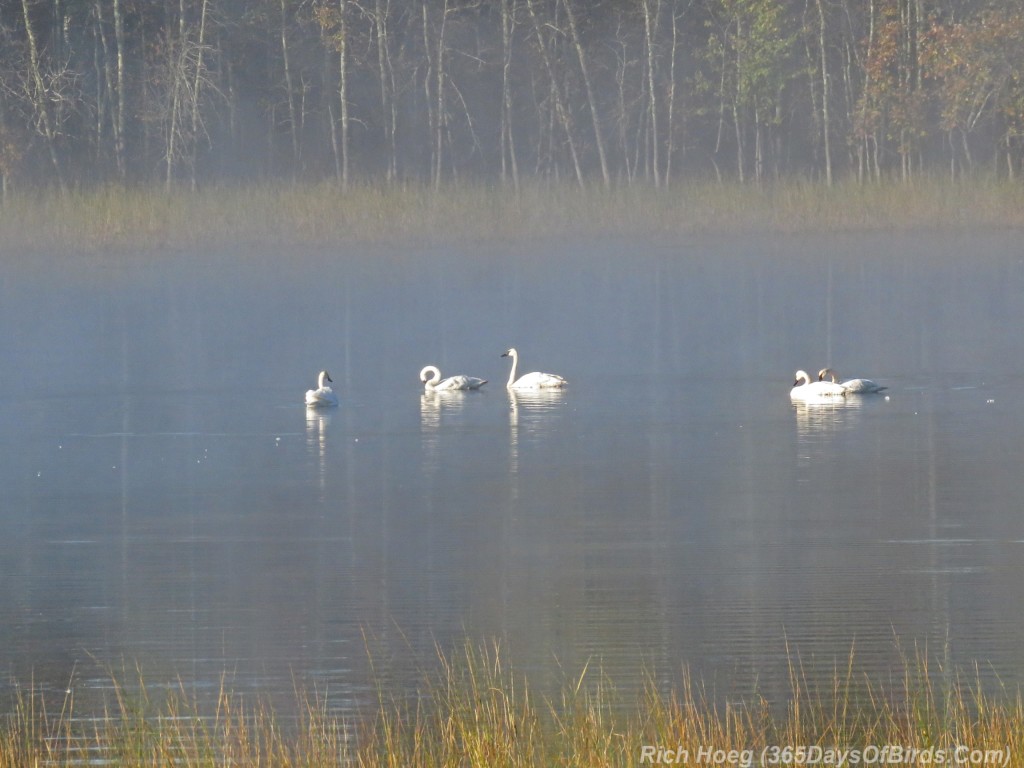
[473, 710]
[111, 218]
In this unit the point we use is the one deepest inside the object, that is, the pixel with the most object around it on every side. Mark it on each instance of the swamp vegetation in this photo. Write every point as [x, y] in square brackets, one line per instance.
[117, 218]
[473, 709]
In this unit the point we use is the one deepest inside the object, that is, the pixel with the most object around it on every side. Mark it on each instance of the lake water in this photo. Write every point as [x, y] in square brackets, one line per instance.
[167, 502]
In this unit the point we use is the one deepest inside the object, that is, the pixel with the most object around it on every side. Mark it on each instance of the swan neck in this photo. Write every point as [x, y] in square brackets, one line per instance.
[512, 373]
[435, 376]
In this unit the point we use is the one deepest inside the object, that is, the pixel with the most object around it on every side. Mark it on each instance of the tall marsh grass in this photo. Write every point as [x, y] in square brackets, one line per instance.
[114, 217]
[474, 710]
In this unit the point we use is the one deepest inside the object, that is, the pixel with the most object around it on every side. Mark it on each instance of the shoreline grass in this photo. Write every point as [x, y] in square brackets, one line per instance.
[318, 215]
[474, 710]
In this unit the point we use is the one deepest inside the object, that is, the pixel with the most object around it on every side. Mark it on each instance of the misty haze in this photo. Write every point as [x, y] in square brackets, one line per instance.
[210, 210]
[169, 500]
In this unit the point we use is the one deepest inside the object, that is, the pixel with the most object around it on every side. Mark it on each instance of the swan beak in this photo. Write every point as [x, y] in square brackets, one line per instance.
[328, 377]
[504, 354]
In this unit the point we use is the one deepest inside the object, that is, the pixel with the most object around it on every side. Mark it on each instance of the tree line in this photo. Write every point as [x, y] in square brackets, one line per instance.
[590, 92]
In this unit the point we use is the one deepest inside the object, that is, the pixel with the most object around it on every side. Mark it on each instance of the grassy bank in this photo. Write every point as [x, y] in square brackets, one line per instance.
[474, 711]
[117, 218]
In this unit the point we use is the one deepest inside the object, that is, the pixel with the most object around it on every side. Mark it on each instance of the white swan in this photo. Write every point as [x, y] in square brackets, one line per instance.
[853, 386]
[322, 396]
[535, 380]
[805, 389]
[432, 382]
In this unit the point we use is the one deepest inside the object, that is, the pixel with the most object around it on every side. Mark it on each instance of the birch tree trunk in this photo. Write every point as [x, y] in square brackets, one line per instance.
[670, 129]
[652, 96]
[591, 101]
[343, 89]
[509, 166]
[826, 126]
[105, 83]
[440, 108]
[119, 119]
[387, 90]
[40, 100]
[293, 120]
[556, 94]
[195, 97]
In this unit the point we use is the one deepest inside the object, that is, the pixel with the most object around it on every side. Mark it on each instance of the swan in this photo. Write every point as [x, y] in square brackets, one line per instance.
[432, 381]
[535, 380]
[323, 395]
[854, 386]
[805, 389]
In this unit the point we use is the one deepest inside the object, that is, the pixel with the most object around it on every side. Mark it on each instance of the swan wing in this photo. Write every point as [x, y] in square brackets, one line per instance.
[460, 382]
[538, 380]
[322, 397]
[470, 382]
[862, 386]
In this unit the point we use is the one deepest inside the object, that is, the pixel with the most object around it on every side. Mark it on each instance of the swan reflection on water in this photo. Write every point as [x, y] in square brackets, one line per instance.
[532, 401]
[317, 422]
[434, 402]
[530, 410]
[826, 416]
[435, 405]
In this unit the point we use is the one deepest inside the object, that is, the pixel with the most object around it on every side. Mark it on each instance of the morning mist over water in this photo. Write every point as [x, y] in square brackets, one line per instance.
[167, 499]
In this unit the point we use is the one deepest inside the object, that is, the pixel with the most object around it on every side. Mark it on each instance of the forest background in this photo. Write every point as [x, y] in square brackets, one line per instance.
[602, 93]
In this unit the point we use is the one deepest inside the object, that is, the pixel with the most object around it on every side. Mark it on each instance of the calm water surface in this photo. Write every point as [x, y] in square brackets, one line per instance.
[166, 500]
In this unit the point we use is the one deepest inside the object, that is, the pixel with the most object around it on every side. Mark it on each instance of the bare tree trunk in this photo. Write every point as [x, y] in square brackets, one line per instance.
[826, 127]
[195, 96]
[591, 101]
[968, 158]
[670, 131]
[293, 119]
[720, 132]
[560, 110]
[104, 79]
[343, 89]
[441, 110]
[652, 100]
[40, 97]
[428, 93]
[758, 147]
[508, 147]
[8, 156]
[867, 84]
[119, 120]
[739, 140]
[175, 53]
[623, 116]
[185, 78]
[387, 95]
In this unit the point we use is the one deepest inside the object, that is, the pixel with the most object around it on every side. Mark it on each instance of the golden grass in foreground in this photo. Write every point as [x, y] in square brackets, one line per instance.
[476, 712]
[319, 214]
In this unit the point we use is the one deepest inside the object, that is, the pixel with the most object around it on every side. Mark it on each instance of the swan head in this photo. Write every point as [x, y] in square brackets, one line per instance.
[510, 352]
[828, 372]
[801, 378]
[324, 376]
